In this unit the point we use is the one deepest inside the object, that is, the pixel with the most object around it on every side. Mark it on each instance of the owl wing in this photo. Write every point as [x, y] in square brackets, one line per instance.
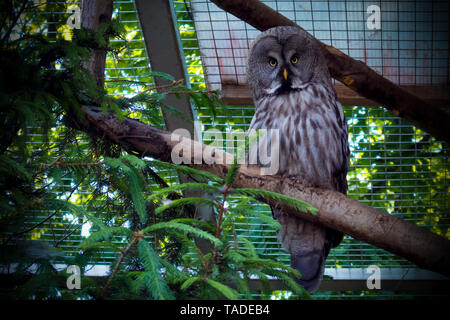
[309, 243]
[325, 133]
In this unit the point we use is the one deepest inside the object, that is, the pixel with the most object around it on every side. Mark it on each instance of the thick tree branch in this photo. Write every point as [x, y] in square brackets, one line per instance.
[362, 222]
[353, 73]
[94, 13]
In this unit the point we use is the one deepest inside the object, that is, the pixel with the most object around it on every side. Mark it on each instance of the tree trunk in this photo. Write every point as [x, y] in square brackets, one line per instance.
[93, 13]
[354, 74]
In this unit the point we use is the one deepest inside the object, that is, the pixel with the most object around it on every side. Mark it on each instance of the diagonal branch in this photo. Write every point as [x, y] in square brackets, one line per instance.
[337, 211]
[353, 73]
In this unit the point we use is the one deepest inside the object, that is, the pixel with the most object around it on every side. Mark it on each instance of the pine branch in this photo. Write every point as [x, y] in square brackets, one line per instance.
[185, 169]
[137, 236]
[166, 86]
[104, 234]
[190, 281]
[222, 211]
[183, 228]
[185, 201]
[48, 217]
[46, 167]
[223, 289]
[57, 243]
[232, 174]
[182, 187]
[14, 21]
[162, 183]
[426, 249]
[152, 278]
[134, 186]
[282, 199]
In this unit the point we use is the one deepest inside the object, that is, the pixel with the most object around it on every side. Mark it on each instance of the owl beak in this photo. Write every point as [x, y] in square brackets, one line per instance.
[285, 73]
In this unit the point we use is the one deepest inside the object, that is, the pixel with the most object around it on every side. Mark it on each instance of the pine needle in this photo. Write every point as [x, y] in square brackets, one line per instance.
[187, 170]
[185, 201]
[105, 234]
[183, 228]
[225, 290]
[152, 276]
[186, 284]
[162, 193]
[278, 197]
[232, 174]
[135, 189]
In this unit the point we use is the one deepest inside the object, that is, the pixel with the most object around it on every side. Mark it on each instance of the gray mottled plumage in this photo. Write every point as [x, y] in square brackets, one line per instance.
[313, 134]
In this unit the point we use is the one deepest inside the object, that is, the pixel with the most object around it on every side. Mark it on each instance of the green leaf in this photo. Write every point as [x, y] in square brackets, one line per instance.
[278, 197]
[183, 228]
[104, 107]
[232, 173]
[201, 223]
[96, 221]
[152, 276]
[133, 185]
[105, 234]
[250, 247]
[160, 75]
[9, 167]
[138, 199]
[293, 285]
[186, 284]
[225, 290]
[184, 186]
[187, 170]
[175, 112]
[183, 202]
[134, 161]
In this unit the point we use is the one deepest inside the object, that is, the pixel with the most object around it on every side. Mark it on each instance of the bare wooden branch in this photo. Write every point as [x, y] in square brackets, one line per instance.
[426, 249]
[353, 73]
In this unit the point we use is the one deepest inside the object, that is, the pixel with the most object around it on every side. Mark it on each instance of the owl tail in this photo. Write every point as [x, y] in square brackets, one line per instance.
[311, 266]
[309, 244]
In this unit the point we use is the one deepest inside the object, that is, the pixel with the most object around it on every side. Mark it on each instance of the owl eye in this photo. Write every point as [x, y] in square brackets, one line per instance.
[273, 62]
[294, 59]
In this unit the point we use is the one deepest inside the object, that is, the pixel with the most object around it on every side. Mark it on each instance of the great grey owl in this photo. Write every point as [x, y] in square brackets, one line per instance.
[292, 92]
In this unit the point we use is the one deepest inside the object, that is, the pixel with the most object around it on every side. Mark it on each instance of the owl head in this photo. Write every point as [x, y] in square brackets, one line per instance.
[284, 59]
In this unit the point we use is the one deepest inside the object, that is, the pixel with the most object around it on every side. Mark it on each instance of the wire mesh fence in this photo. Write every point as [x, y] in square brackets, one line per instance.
[394, 166]
[409, 46]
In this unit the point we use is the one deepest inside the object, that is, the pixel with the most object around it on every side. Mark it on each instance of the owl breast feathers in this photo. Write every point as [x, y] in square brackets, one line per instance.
[293, 93]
